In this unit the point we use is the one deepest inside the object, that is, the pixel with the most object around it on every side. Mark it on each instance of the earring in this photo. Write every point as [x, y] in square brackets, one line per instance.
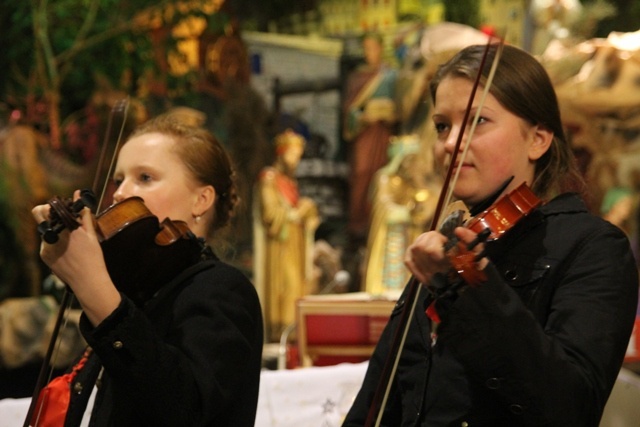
[198, 218]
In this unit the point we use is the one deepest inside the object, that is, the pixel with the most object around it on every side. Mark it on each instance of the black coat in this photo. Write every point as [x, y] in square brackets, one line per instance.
[539, 344]
[191, 357]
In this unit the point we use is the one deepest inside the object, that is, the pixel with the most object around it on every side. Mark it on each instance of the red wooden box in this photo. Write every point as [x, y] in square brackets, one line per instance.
[337, 329]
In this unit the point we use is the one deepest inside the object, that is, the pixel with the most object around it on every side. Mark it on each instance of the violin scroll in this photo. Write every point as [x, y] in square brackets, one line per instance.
[64, 215]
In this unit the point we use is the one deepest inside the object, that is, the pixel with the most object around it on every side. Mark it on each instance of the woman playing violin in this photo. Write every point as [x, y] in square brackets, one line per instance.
[191, 354]
[541, 340]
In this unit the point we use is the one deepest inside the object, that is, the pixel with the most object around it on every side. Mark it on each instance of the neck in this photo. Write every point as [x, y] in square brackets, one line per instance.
[284, 169]
[486, 203]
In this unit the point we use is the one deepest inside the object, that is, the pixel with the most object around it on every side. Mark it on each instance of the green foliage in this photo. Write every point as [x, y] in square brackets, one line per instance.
[82, 40]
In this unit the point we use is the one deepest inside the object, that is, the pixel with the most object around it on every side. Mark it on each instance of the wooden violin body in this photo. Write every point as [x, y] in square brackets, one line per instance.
[505, 213]
[141, 253]
[491, 224]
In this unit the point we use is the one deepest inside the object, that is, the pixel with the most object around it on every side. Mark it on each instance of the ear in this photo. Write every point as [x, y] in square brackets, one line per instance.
[541, 141]
[205, 198]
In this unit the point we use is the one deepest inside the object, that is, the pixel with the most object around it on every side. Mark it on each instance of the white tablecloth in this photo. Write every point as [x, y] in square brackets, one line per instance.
[321, 397]
[309, 397]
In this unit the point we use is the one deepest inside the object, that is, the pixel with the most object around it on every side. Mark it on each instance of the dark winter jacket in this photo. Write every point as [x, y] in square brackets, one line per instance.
[539, 344]
[190, 357]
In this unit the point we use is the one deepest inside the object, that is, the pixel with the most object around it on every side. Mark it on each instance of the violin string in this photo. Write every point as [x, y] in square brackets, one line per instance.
[472, 129]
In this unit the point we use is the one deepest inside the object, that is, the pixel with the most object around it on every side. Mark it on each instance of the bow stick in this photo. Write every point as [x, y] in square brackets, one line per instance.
[376, 410]
[117, 118]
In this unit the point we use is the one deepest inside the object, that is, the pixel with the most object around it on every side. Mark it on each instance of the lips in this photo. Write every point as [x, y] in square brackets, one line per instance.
[464, 166]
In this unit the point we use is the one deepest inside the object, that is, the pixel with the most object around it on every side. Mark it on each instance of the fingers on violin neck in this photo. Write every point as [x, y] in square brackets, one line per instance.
[481, 237]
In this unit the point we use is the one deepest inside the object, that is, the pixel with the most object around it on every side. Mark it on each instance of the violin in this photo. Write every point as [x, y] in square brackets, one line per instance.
[489, 225]
[506, 212]
[141, 253]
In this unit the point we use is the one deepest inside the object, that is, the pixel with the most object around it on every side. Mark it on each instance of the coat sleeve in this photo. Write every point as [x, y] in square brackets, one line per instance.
[557, 370]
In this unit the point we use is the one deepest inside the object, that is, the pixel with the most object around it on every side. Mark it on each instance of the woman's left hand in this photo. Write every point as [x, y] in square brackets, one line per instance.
[77, 259]
[468, 236]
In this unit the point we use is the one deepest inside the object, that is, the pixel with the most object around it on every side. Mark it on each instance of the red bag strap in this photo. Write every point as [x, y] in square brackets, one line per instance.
[53, 401]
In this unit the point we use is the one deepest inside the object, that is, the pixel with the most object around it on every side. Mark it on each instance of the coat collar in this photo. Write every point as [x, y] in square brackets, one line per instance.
[564, 203]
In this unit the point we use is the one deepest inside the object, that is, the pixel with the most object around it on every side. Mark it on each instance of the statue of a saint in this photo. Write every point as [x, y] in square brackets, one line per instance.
[284, 227]
[404, 200]
[370, 120]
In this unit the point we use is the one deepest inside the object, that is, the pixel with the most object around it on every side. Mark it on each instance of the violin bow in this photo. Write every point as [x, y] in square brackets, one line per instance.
[118, 115]
[483, 97]
[381, 396]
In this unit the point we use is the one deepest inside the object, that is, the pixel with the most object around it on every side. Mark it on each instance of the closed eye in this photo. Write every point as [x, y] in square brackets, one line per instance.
[145, 177]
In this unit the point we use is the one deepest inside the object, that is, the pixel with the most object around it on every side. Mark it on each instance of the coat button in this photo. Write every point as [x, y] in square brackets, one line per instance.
[493, 383]
[117, 345]
[511, 274]
[77, 388]
[516, 409]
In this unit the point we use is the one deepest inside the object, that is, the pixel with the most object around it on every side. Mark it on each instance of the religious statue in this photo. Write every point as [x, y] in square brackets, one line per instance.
[370, 120]
[405, 193]
[284, 227]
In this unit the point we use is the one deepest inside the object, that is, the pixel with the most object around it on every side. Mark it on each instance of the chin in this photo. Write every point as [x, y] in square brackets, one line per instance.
[468, 197]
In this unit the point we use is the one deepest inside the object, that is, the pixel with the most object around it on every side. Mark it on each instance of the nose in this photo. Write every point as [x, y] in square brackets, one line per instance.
[451, 141]
[121, 193]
